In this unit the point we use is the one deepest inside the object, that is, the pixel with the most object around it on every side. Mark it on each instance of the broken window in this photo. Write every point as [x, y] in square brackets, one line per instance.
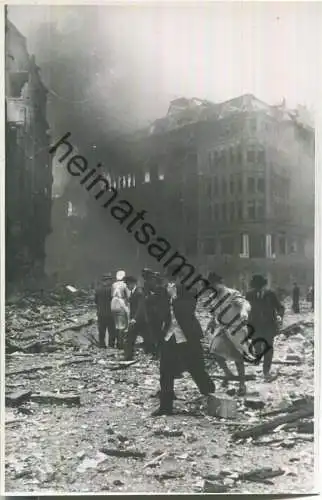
[216, 212]
[240, 210]
[232, 185]
[251, 210]
[251, 157]
[257, 245]
[261, 185]
[260, 210]
[232, 211]
[227, 245]
[282, 244]
[215, 185]
[223, 212]
[209, 246]
[251, 185]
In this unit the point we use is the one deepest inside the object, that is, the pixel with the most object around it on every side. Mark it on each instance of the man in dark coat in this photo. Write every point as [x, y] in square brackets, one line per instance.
[264, 320]
[138, 318]
[105, 319]
[296, 299]
[181, 344]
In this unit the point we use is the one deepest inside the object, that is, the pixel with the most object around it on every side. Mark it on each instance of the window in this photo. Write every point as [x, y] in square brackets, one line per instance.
[215, 185]
[293, 246]
[147, 177]
[251, 156]
[232, 211]
[239, 156]
[232, 156]
[240, 184]
[282, 244]
[224, 187]
[223, 212]
[216, 212]
[251, 210]
[209, 246]
[240, 210]
[161, 176]
[251, 185]
[261, 185]
[227, 245]
[244, 245]
[260, 210]
[253, 126]
[261, 156]
[257, 245]
[208, 189]
[232, 185]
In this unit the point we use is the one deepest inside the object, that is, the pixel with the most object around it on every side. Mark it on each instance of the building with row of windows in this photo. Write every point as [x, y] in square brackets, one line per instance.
[230, 185]
[28, 165]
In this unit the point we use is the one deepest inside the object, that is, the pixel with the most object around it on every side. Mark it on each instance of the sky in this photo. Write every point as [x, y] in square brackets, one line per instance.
[214, 50]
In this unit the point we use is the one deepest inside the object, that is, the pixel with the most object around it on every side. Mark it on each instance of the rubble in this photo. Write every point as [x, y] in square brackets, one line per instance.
[17, 398]
[144, 454]
[52, 398]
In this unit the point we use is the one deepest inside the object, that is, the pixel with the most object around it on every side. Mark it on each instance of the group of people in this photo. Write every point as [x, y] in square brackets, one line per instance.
[162, 310]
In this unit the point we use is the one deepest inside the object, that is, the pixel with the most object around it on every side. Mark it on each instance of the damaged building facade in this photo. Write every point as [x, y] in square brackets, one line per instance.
[28, 164]
[231, 186]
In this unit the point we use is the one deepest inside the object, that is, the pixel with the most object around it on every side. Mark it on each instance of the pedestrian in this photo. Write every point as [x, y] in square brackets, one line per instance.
[230, 311]
[182, 342]
[103, 297]
[265, 317]
[138, 324]
[296, 298]
[120, 308]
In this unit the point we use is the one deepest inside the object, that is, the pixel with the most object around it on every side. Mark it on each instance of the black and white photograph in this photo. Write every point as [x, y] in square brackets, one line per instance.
[160, 224]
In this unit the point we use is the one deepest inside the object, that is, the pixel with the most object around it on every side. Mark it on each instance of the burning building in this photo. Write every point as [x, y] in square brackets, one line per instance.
[28, 165]
[231, 186]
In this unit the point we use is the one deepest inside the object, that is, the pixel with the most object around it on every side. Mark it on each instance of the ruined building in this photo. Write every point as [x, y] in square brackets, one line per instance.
[28, 165]
[230, 185]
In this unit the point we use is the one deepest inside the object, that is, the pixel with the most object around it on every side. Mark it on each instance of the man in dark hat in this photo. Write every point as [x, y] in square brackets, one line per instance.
[181, 345]
[103, 297]
[264, 320]
[138, 318]
[296, 298]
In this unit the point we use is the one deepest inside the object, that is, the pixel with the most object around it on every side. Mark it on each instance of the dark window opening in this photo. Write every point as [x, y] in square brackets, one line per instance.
[251, 156]
[232, 211]
[257, 245]
[260, 210]
[224, 187]
[251, 210]
[240, 210]
[282, 245]
[251, 184]
[232, 185]
[261, 185]
[223, 212]
[215, 182]
[227, 245]
[261, 156]
[209, 246]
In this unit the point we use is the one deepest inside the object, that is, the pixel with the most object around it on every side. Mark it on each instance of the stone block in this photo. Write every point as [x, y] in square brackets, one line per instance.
[17, 398]
[222, 407]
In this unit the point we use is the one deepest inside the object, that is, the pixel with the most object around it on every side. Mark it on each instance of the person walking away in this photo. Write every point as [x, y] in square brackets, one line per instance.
[265, 316]
[230, 312]
[296, 298]
[138, 318]
[182, 342]
[103, 297]
[120, 308]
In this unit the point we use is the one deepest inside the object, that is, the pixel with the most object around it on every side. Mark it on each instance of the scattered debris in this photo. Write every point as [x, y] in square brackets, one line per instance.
[210, 487]
[17, 398]
[56, 398]
[114, 452]
[269, 426]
